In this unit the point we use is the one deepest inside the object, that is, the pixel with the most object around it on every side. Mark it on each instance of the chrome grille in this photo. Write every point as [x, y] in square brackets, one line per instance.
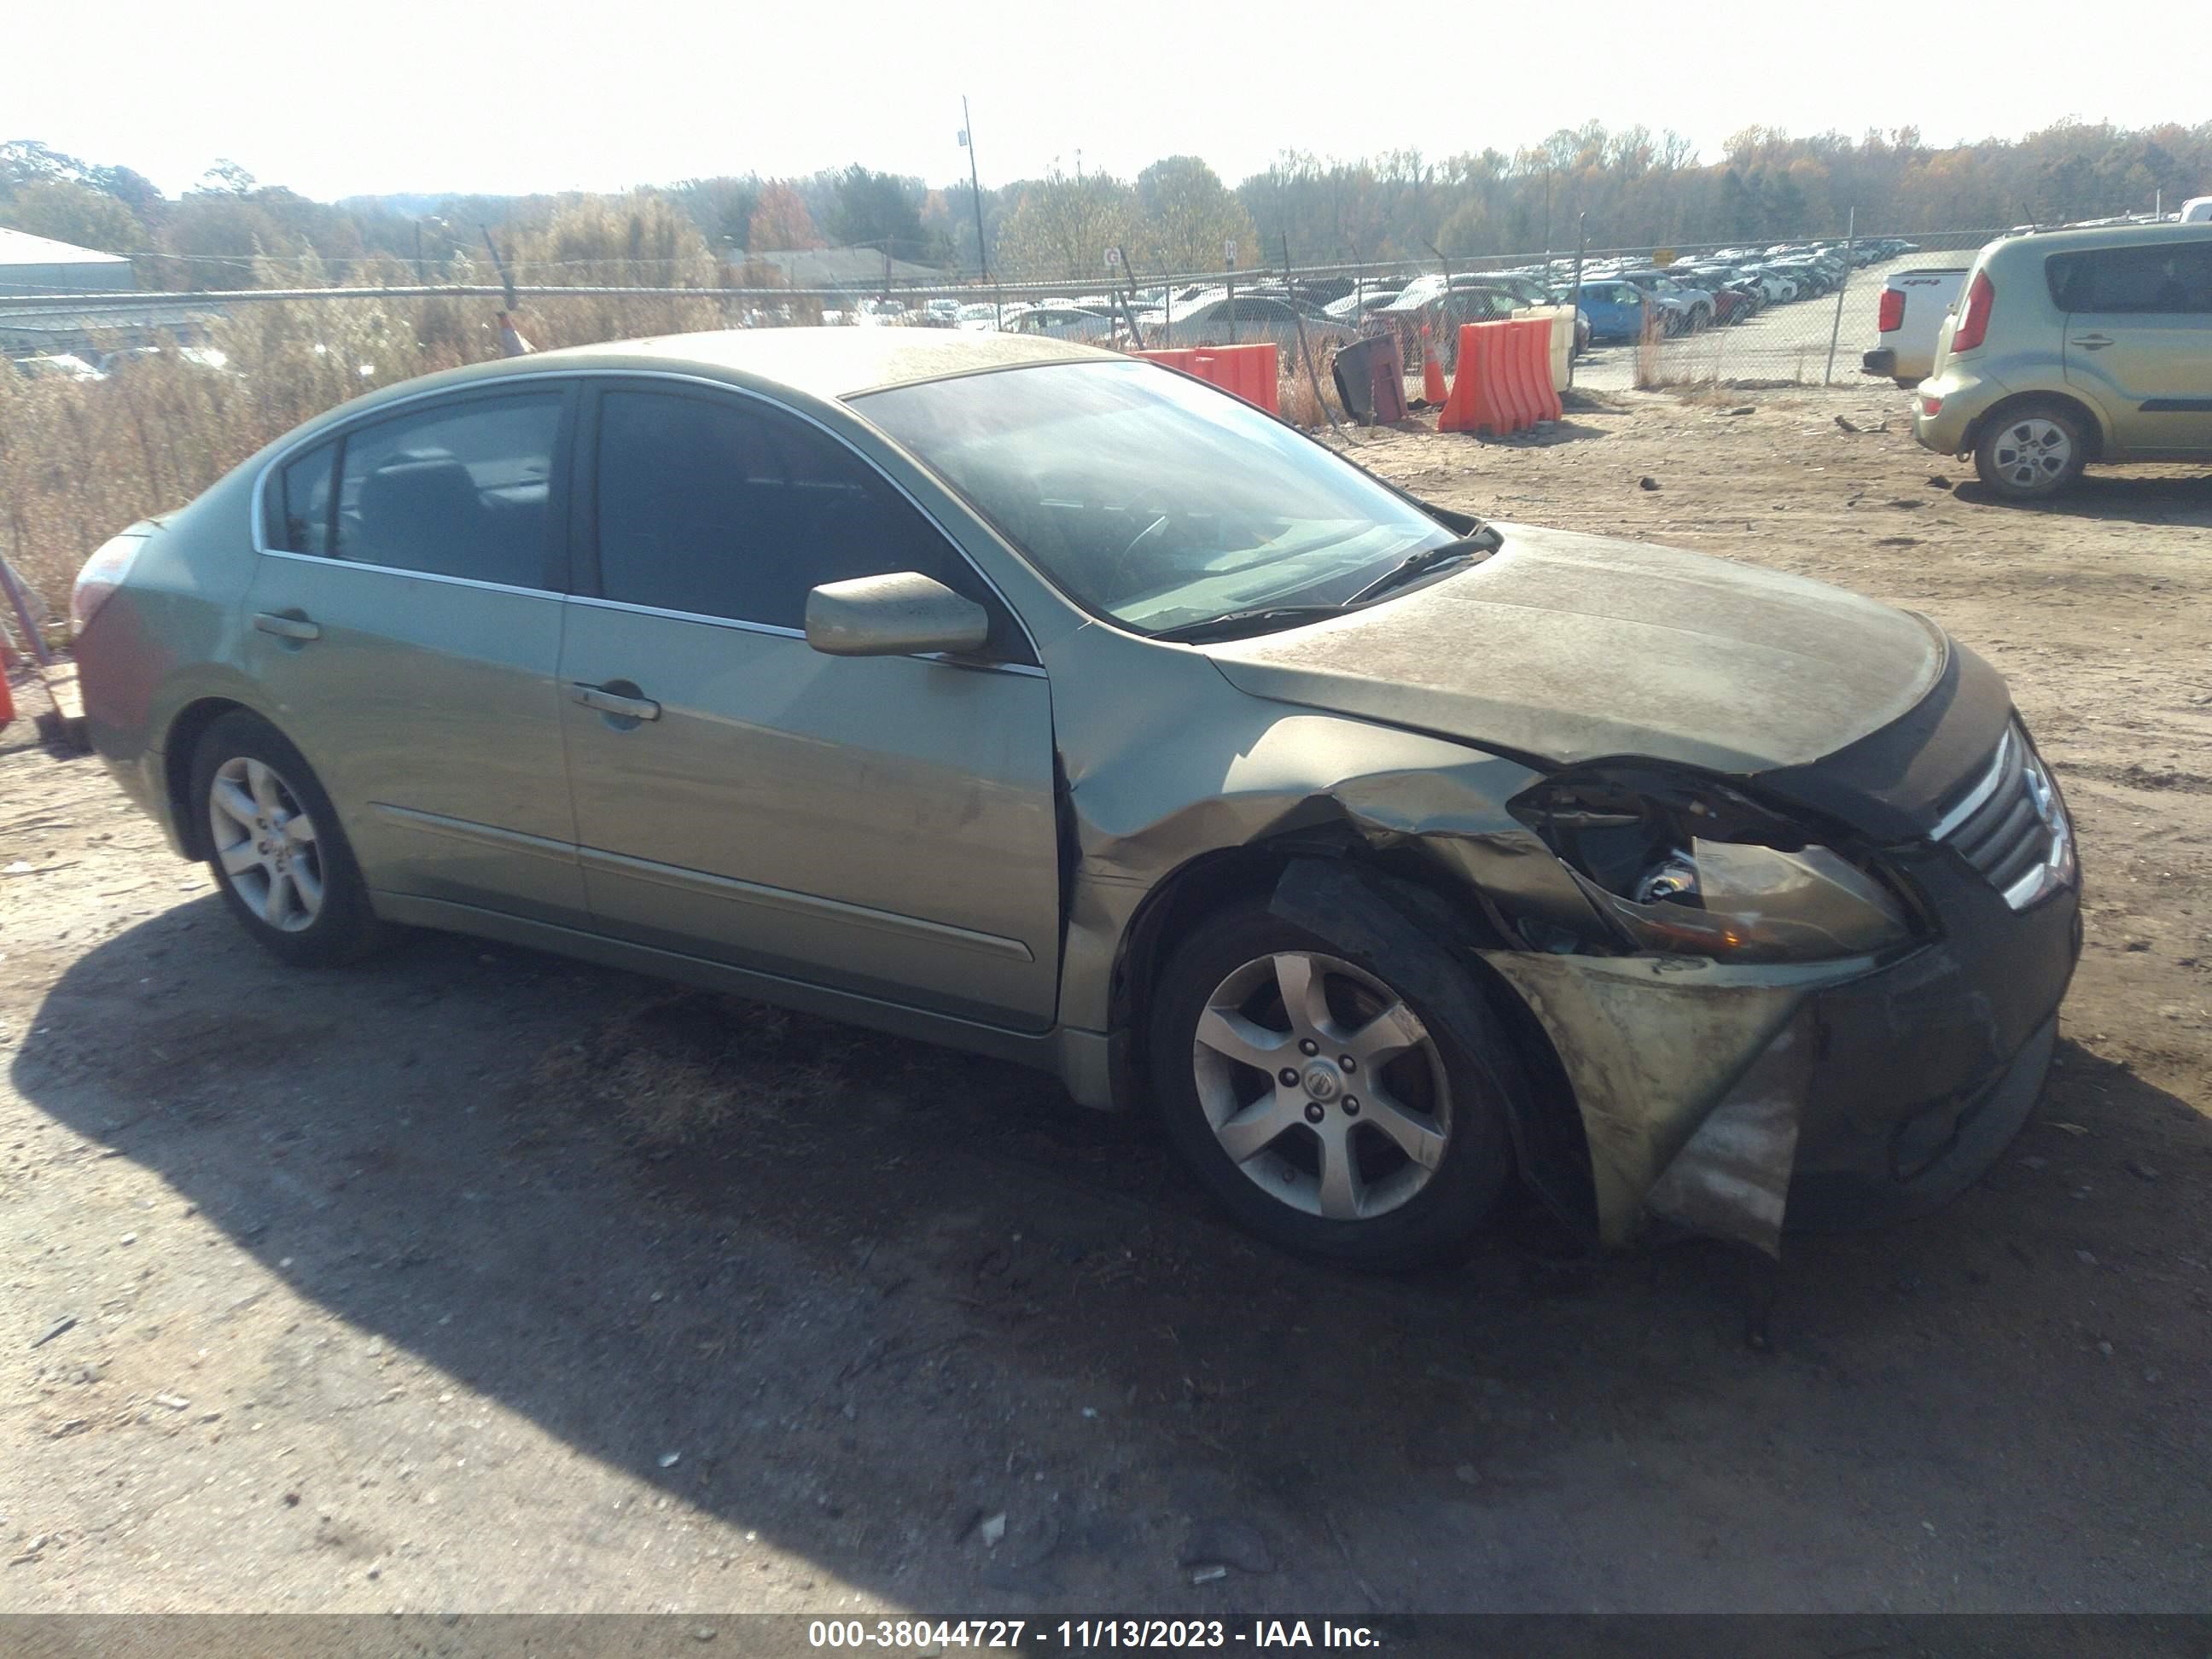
[2009, 825]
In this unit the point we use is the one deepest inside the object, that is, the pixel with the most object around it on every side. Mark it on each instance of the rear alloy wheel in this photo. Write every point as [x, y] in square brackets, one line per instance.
[1328, 1112]
[274, 845]
[264, 844]
[2033, 453]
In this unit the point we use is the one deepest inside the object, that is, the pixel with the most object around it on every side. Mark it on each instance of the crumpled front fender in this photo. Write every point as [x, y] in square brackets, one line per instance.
[1687, 1075]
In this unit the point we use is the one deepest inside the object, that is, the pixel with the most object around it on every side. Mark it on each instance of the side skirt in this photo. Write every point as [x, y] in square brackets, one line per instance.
[1077, 1057]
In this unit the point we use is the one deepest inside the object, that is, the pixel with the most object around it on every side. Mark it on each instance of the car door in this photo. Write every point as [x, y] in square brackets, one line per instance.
[403, 625]
[1622, 305]
[2139, 340]
[880, 825]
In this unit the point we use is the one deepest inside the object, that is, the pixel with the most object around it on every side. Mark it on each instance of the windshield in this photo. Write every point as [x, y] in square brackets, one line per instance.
[1149, 498]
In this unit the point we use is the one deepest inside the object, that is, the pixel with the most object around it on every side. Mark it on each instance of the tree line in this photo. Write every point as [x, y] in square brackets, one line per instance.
[1629, 188]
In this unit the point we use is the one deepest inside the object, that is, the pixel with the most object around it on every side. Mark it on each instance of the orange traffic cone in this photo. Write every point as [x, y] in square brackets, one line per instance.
[1432, 372]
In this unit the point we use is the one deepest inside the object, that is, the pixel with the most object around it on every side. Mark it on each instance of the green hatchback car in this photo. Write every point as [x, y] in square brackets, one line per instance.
[2072, 346]
[1019, 696]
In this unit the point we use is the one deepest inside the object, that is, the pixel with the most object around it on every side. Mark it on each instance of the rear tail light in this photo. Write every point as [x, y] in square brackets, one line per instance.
[1974, 320]
[1892, 317]
[1931, 405]
[103, 573]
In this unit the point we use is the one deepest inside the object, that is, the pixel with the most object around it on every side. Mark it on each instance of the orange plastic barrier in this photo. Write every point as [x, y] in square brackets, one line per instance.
[1476, 402]
[1512, 378]
[1539, 350]
[1252, 373]
[1530, 385]
[1505, 378]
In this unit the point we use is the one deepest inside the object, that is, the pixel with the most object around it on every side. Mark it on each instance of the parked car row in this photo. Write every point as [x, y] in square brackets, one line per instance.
[1730, 285]
[1686, 296]
[1191, 316]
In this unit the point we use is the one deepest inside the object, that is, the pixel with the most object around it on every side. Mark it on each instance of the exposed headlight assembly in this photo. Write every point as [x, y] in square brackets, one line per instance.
[1685, 866]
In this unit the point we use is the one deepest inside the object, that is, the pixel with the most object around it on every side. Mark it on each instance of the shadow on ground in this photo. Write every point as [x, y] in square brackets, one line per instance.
[2123, 498]
[874, 1291]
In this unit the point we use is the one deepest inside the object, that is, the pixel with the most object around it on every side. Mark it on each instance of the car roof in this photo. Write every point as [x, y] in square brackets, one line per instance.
[827, 363]
[2122, 235]
[796, 365]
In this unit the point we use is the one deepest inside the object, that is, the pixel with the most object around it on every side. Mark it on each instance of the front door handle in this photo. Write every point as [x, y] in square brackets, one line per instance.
[287, 627]
[2093, 341]
[613, 703]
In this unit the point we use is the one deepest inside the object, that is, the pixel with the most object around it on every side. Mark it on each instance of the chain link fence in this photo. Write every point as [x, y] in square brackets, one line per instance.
[1748, 322]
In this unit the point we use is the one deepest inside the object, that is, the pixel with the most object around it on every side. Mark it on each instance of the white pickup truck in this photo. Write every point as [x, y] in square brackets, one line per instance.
[1914, 302]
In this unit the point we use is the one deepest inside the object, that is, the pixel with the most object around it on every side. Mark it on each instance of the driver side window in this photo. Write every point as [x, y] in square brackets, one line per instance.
[723, 507]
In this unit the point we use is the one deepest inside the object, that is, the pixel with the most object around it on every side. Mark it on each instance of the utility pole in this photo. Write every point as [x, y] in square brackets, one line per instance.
[1850, 235]
[976, 189]
[1574, 326]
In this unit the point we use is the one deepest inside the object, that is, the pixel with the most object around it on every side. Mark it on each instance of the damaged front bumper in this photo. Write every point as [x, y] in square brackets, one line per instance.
[1736, 1101]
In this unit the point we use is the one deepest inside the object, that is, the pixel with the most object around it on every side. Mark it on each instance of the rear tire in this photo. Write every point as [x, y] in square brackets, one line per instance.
[2036, 451]
[275, 847]
[1386, 1166]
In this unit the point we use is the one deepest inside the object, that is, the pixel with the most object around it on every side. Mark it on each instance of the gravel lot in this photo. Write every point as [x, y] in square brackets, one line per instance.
[472, 1279]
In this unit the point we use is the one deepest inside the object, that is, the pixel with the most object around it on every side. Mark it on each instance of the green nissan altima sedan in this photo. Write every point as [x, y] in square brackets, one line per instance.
[1047, 703]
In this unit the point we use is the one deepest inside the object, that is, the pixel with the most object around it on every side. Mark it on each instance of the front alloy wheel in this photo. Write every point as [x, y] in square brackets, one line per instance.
[1321, 1086]
[1345, 1109]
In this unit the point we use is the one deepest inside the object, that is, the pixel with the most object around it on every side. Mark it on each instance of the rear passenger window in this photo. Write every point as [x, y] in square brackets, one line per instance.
[724, 509]
[2164, 278]
[302, 503]
[459, 490]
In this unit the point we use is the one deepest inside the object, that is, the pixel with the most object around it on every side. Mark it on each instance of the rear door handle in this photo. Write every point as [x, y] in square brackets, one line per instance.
[613, 703]
[2093, 341]
[287, 627]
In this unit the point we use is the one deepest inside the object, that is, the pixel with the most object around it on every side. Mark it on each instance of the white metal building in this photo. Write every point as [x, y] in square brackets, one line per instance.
[38, 264]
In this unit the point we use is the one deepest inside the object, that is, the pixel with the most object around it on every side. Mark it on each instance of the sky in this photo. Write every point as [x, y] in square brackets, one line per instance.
[414, 97]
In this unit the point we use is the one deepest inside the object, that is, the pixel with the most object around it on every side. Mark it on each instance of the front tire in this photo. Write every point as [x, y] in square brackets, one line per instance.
[2036, 451]
[275, 849]
[1328, 1113]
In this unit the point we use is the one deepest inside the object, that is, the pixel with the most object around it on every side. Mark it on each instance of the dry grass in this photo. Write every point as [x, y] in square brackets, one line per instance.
[1647, 353]
[1295, 397]
[81, 460]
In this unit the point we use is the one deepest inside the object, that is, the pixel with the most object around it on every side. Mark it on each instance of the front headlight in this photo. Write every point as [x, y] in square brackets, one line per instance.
[1688, 866]
[2058, 866]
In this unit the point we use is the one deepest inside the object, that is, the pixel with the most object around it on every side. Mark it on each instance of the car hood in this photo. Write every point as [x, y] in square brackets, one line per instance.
[1567, 648]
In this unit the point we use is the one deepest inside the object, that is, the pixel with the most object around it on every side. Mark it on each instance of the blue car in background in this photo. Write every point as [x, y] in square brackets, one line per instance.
[1615, 309]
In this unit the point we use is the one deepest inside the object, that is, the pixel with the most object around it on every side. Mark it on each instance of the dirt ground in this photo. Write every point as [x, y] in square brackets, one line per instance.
[472, 1279]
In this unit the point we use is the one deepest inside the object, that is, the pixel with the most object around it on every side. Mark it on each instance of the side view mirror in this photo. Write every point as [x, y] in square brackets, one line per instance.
[893, 615]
